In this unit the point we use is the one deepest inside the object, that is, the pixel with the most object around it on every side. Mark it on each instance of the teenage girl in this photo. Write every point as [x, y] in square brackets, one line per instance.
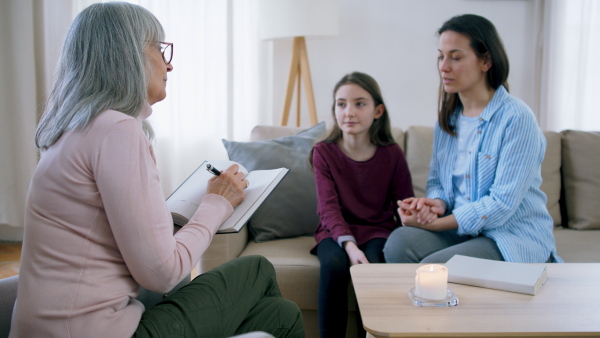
[360, 173]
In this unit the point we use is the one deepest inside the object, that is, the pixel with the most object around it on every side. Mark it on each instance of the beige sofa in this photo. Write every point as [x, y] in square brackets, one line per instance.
[571, 183]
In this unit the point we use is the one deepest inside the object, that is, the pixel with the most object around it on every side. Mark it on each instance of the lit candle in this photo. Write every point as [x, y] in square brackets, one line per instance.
[431, 282]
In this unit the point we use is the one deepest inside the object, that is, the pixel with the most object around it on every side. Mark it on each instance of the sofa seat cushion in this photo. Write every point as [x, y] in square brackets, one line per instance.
[296, 268]
[578, 246]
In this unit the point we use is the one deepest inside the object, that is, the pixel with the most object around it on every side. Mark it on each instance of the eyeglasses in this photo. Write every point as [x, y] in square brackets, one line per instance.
[166, 48]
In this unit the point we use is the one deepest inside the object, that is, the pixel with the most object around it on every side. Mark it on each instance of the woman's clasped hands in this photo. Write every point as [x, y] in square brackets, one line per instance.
[421, 212]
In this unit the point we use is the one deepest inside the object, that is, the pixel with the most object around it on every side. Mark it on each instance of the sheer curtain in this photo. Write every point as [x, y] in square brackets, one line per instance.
[18, 100]
[570, 69]
[215, 91]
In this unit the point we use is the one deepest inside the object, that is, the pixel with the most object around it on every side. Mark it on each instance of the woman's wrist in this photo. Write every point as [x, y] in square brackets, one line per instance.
[347, 244]
[445, 223]
[442, 205]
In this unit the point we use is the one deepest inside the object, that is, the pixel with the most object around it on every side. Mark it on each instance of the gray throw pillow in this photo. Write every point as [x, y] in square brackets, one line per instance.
[291, 209]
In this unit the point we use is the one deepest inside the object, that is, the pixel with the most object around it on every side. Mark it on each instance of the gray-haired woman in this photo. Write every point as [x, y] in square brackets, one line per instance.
[97, 228]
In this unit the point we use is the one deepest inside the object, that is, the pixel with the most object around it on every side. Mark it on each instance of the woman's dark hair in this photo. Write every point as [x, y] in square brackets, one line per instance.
[380, 132]
[487, 44]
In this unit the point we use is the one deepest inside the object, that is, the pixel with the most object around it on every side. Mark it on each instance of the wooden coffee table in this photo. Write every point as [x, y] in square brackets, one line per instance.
[567, 305]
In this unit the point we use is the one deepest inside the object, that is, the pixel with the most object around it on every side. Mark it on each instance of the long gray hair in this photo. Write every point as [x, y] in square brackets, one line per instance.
[102, 66]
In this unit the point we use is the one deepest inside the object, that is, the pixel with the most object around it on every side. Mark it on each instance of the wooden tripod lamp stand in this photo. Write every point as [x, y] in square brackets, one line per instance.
[299, 70]
[298, 19]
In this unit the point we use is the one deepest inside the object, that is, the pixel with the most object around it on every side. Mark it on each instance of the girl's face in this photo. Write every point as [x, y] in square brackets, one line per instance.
[355, 109]
[460, 68]
[157, 76]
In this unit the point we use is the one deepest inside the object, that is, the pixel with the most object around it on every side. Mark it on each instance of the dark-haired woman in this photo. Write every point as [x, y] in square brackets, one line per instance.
[483, 190]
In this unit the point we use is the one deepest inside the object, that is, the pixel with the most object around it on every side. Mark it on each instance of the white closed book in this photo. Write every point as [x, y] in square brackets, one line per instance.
[515, 277]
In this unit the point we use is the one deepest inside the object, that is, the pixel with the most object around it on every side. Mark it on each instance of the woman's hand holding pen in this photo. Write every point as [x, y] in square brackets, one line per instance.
[229, 184]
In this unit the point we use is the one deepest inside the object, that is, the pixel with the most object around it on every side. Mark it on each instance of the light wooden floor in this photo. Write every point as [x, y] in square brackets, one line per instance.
[10, 255]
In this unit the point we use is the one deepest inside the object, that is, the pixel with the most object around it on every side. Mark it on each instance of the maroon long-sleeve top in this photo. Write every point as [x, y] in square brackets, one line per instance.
[359, 199]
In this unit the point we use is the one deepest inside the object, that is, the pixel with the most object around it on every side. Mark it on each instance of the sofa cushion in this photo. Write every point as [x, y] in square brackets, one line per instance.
[291, 210]
[399, 136]
[418, 148]
[261, 132]
[575, 246]
[223, 248]
[551, 183]
[581, 178]
[297, 270]
[419, 145]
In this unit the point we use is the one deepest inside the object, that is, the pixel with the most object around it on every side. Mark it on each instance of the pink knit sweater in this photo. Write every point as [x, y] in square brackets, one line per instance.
[97, 228]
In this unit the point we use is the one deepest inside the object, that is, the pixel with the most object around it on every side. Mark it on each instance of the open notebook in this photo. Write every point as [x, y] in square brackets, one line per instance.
[184, 201]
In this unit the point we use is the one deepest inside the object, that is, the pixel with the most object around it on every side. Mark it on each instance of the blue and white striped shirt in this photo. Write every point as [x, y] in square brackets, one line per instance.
[503, 178]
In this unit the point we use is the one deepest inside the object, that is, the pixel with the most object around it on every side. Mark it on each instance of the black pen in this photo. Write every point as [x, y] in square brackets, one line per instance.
[212, 170]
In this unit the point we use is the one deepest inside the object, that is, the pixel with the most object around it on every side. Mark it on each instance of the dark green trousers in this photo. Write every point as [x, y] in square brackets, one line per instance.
[239, 296]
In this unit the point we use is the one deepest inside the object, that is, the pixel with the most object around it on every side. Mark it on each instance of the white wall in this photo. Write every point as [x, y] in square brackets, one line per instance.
[395, 42]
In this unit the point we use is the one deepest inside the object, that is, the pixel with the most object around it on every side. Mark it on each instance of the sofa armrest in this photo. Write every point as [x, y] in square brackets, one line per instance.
[223, 248]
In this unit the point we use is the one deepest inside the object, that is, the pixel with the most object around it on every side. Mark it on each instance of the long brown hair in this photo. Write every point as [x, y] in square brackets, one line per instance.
[487, 44]
[380, 133]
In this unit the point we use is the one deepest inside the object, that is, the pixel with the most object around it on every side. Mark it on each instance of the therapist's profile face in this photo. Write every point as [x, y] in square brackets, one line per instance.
[157, 74]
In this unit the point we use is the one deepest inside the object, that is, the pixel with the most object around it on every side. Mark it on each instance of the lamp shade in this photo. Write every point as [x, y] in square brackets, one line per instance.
[291, 18]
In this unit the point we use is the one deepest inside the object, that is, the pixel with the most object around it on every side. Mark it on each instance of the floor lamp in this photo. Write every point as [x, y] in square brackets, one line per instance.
[297, 19]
